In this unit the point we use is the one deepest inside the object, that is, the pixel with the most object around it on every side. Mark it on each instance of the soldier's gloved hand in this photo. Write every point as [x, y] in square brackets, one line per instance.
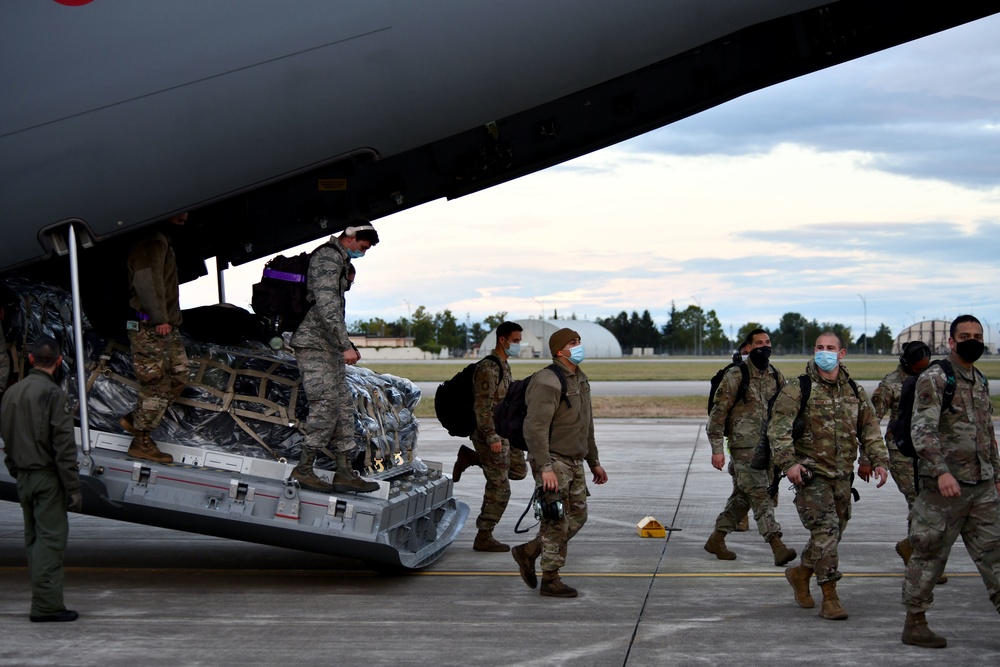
[75, 503]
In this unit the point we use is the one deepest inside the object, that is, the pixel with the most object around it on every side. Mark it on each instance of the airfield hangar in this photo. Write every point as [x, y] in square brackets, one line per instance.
[933, 332]
[597, 341]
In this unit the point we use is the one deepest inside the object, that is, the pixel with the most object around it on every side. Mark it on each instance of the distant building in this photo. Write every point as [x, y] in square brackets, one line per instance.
[598, 342]
[933, 332]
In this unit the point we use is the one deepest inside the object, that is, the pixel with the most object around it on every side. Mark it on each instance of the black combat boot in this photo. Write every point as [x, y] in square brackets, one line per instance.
[467, 457]
[553, 587]
[525, 556]
[347, 480]
[307, 478]
[916, 632]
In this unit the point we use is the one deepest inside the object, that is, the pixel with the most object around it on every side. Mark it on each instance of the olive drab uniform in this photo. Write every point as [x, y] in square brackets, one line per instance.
[834, 417]
[490, 386]
[885, 400]
[319, 344]
[159, 360]
[961, 441]
[745, 422]
[40, 453]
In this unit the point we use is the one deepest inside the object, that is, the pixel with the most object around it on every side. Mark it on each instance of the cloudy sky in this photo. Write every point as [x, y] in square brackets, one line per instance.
[878, 178]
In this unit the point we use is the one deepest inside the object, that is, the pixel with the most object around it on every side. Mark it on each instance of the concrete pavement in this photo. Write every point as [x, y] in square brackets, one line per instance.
[156, 597]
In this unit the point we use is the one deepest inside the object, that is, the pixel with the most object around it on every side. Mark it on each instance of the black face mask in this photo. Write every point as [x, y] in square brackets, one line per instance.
[970, 350]
[759, 356]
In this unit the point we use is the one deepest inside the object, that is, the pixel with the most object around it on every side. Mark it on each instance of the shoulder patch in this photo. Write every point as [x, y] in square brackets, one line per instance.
[925, 398]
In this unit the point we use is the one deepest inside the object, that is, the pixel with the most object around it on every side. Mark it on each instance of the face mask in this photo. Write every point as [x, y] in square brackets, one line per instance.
[355, 254]
[576, 354]
[759, 356]
[514, 350]
[826, 360]
[744, 357]
[970, 350]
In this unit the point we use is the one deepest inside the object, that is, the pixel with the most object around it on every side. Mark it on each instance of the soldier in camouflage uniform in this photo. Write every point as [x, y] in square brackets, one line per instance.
[490, 382]
[744, 420]
[959, 469]
[323, 351]
[915, 358]
[560, 436]
[158, 357]
[820, 463]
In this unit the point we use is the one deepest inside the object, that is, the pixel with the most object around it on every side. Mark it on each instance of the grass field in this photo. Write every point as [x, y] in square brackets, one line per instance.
[662, 369]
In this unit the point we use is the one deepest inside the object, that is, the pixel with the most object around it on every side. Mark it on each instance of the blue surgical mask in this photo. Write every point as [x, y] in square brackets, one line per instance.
[355, 254]
[826, 360]
[576, 354]
[514, 350]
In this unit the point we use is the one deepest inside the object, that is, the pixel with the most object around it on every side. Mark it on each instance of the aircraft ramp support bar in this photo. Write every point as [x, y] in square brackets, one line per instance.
[407, 523]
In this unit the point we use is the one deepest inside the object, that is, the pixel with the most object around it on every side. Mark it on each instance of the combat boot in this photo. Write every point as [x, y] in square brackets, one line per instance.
[553, 587]
[143, 447]
[347, 480]
[525, 555]
[467, 457]
[485, 542]
[799, 577]
[905, 550]
[307, 478]
[744, 524]
[717, 545]
[782, 554]
[916, 632]
[831, 603]
[126, 423]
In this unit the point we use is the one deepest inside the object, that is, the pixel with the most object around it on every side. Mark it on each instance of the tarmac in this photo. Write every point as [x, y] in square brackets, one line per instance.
[151, 596]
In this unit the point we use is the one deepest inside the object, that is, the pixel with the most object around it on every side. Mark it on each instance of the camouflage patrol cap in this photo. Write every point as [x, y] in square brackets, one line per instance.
[558, 340]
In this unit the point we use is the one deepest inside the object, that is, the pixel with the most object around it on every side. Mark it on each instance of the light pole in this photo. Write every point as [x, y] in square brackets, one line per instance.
[865, 304]
[542, 306]
[409, 320]
[697, 345]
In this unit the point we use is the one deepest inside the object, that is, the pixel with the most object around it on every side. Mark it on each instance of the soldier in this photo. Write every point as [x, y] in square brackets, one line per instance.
[324, 350]
[560, 436]
[744, 523]
[40, 453]
[915, 357]
[158, 357]
[490, 382]
[820, 461]
[959, 469]
[744, 419]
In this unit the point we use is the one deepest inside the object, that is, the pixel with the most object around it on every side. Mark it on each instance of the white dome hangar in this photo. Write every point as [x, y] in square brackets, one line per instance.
[598, 342]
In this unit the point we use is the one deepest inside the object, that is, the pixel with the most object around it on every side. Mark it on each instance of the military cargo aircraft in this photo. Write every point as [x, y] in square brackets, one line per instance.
[275, 124]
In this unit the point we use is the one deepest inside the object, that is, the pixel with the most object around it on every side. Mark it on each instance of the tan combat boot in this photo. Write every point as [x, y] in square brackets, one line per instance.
[916, 632]
[831, 603]
[782, 554]
[553, 587]
[346, 480]
[486, 542]
[799, 577]
[143, 447]
[467, 457]
[717, 545]
[307, 477]
[525, 555]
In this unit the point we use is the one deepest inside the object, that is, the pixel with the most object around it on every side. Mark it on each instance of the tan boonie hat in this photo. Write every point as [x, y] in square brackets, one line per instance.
[558, 340]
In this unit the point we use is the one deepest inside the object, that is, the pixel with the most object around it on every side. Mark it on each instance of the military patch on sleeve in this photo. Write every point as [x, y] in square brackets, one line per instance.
[925, 398]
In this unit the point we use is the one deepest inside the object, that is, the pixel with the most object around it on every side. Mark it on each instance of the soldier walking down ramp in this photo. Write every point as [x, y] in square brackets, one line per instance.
[819, 461]
[959, 470]
[40, 453]
[740, 411]
[158, 357]
[323, 351]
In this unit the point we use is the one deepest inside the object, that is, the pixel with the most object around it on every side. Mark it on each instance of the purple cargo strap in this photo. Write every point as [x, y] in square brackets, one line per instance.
[284, 275]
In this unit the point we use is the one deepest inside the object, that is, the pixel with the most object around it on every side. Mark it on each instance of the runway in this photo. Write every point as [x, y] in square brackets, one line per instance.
[156, 597]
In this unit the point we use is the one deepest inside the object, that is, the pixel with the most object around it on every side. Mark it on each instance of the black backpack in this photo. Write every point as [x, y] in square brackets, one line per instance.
[455, 399]
[508, 415]
[900, 427]
[280, 296]
[741, 393]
